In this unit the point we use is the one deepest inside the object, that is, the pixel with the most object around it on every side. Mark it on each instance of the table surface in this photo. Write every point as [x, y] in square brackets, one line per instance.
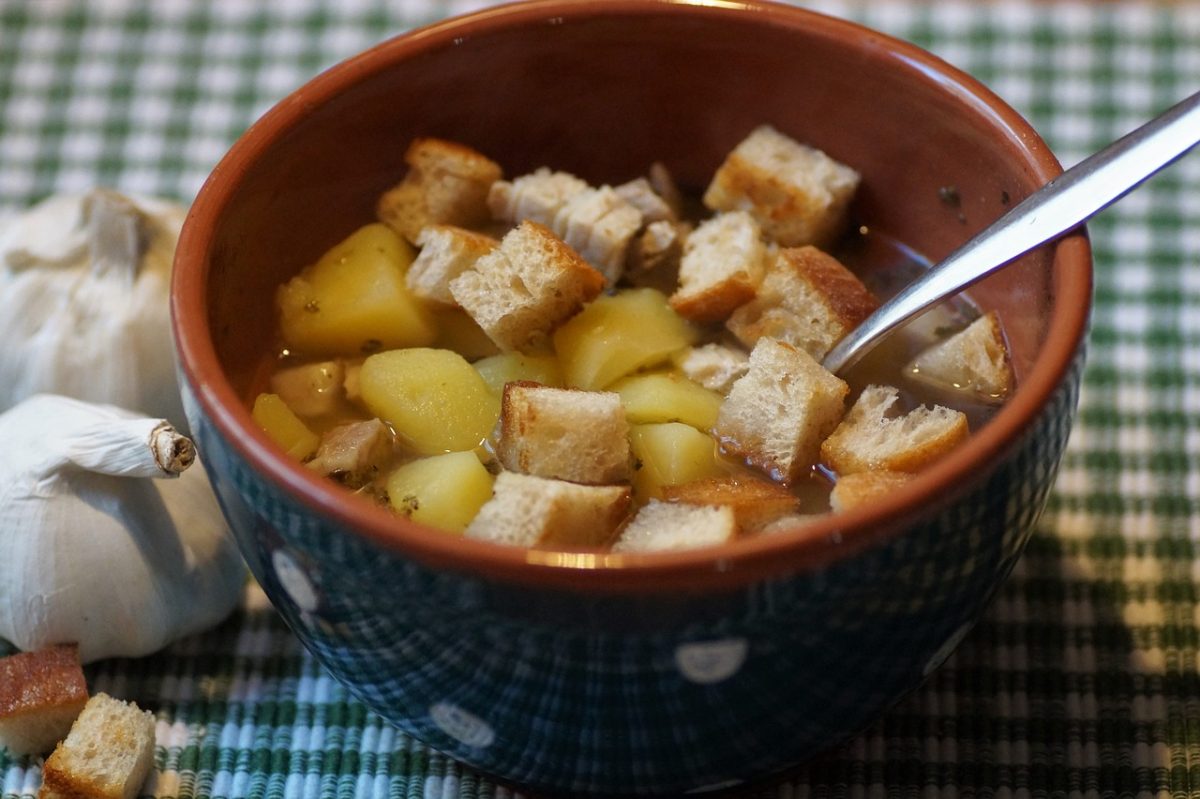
[1082, 680]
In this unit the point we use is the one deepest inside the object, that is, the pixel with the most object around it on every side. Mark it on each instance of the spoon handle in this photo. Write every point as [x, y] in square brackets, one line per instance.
[1073, 197]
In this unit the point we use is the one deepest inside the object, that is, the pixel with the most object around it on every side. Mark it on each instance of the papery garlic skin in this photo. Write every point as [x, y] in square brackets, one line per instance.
[94, 551]
[83, 302]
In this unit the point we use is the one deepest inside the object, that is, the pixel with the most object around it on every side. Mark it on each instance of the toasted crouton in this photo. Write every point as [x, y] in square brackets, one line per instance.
[447, 183]
[714, 366]
[528, 511]
[520, 291]
[107, 754]
[641, 195]
[778, 413]
[974, 360]
[859, 488]
[599, 225]
[868, 440]
[446, 252]
[311, 389]
[798, 194]
[535, 197]
[755, 503]
[41, 693]
[566, 434]
[723, 263]
[807, 299]
[353, 453]
[668, 526]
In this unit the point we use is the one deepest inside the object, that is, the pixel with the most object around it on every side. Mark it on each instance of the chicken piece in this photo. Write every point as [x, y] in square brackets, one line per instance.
[354, 453]
[599, 225]
[535, 197]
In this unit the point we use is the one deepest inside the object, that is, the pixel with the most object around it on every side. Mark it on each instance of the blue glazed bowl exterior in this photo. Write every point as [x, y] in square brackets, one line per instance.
[639, 694]
[665, 674]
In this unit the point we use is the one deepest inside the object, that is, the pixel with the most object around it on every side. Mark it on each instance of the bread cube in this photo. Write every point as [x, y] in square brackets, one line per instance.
[714, 366]
[755, 502]
[565, 434]
[797, 193]
[974, 360]
[672, 526]
[107, 754]
[522, 290]
[859, 488]
[868, 439]
[41, 693]
[777, 415]
[529, 511]
[446, 252]
[807, 299]
[723, 264]
[536, 197]
[447, 183]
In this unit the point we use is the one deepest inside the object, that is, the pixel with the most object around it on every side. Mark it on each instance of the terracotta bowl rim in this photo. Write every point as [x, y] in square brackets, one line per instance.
[811, 546]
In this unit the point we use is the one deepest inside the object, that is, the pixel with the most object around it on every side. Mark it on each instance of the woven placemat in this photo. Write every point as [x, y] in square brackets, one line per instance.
[1081, 681]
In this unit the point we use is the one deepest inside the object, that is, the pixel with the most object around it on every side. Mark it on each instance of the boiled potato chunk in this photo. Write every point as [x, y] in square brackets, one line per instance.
[670, 454]
[434, 400]
[354, 300]
[512, 366]
[617, 335]
[668, 397]
[445, 491]
[284, 427]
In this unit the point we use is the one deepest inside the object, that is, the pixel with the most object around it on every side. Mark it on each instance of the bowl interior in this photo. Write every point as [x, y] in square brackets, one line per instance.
[602, 90]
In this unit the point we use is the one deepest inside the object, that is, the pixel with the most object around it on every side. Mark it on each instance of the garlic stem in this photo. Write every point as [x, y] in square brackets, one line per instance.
[173, 452]
[124, 447]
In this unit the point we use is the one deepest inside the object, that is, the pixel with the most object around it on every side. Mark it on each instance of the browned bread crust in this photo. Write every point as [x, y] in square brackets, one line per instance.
[41, 693]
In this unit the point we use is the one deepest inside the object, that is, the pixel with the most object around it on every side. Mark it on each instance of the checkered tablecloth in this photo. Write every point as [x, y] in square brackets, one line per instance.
[1083, 679]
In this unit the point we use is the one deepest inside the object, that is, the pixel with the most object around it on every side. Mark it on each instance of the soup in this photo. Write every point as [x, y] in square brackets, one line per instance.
[562, 365]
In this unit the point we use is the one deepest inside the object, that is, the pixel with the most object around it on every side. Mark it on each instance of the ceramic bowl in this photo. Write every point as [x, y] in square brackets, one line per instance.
[580, 673]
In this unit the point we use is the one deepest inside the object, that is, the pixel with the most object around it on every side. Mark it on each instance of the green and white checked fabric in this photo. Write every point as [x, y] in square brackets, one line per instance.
[1083, 679]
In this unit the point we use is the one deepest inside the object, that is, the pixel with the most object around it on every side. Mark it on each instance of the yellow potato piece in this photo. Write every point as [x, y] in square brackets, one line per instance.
[671, 454]
[354, 300]
[434, 400]
[512, 366]
[617, 335]
[445, 491]
[668, 397]
[284, 427]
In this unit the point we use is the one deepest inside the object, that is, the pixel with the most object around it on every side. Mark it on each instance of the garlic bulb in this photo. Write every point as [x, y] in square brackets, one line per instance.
[83, 302]
[93, 552]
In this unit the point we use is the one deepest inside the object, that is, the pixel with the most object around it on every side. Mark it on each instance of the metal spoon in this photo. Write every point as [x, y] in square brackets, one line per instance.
[1062, 204]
